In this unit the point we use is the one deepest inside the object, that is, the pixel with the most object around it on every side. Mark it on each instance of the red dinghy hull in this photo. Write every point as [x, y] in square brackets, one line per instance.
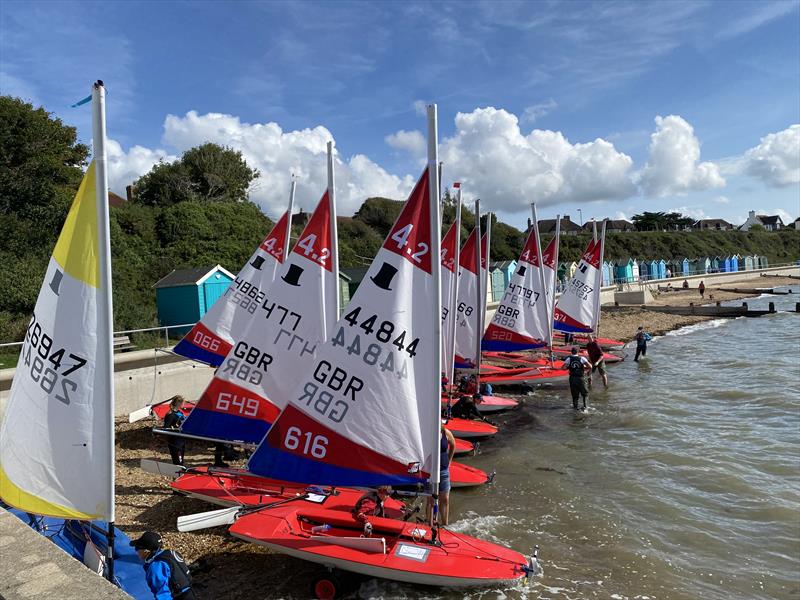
[160, 410]
[464, 447]
[397, 550]
[490, 404]
[237, 487]
[535, 376]
[462, 476]
[466, 429]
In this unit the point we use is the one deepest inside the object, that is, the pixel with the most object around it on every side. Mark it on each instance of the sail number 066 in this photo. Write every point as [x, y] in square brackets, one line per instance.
[315, 445]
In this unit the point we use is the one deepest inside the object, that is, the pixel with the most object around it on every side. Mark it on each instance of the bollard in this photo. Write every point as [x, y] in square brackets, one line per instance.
[797, 307]
[719, 303]
[772, 307]
[744, 305]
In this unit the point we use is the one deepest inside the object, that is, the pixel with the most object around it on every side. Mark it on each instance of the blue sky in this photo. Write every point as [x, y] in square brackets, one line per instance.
[611, 107]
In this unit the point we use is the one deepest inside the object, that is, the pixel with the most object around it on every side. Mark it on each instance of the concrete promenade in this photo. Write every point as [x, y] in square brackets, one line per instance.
[31, 566]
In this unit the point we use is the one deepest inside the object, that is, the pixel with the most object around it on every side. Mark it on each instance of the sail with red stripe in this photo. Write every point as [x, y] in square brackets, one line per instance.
[467, 306]
[287, 324]
[213, 336]
[576, 308]
[363, 413]
[449, 262]
[521, 321]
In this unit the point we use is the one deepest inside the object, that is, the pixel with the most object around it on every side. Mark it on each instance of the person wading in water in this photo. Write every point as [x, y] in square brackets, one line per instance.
[578, 368]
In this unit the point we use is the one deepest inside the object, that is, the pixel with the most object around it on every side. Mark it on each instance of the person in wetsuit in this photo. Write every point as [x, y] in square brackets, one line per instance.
[166, 572]
[595, 353]
[578, 367]
[173, 420]
[641, 344]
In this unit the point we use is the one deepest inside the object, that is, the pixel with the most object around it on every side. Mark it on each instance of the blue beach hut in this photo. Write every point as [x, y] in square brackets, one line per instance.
[715, 265]
[662, 269]
[735, 263]
[726, 264]
[685, 266]
[185, 295]
[624, 270]
[608, 273]
[644, 271]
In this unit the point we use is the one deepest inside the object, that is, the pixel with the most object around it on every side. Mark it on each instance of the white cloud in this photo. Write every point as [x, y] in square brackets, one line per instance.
[620, 216]
[536, 111]
[421, 107]
[125, 167]
[496, 161]
[673, 167]
[776, 160]
[787, 218]
[721, 200]
[695, 212]
[412, 142]
[278, 154]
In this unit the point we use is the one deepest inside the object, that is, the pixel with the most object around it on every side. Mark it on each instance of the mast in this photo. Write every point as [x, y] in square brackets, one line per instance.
[479, 303]
[540, 262]
[552, 303]
[436, 306]
[288, 238]
[600, 277]
[105, 324]
[334, 243]
[453, 301]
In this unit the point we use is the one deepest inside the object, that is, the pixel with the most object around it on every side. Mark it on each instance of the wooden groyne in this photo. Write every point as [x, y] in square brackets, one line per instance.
[772, 291]
[777, 275]
[716, 310]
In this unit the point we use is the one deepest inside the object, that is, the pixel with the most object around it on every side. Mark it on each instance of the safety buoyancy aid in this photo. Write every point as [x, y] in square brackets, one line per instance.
[575, 366]
[179, 578]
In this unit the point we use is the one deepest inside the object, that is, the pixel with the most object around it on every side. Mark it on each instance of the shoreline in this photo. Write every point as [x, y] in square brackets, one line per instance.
[620, 322]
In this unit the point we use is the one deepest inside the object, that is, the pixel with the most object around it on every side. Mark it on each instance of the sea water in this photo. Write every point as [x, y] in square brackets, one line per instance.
[681, 482]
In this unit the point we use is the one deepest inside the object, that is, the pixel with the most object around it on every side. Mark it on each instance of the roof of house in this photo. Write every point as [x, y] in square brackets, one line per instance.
[713, 222]
[501, 264]
[549, 225]
[770, 219]
[194, 276]
[115, 200]
[610, 224]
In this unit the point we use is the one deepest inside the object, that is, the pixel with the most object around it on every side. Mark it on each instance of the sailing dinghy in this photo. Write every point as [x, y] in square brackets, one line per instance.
[376, 422]
[57, 435]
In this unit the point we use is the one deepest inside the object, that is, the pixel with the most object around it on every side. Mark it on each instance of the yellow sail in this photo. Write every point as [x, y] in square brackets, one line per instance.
[55, 436]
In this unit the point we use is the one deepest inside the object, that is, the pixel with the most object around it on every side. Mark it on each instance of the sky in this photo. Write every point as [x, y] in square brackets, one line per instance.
[591, 109]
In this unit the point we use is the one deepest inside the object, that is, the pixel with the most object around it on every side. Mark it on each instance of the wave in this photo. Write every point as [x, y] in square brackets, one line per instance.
[714, 323]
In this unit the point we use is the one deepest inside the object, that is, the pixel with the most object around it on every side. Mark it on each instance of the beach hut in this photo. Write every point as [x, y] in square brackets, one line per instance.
[748, 263]
[185, 295]
[635, 272]
[624, 270]
[561, 273]
[726, 264]
[499, 279]
[686, 267]
[608, 273]
[662, 269]
[735, 263]
[716, 265]
[571, 268]
[644, 271]
[700, 265]
[763, 263]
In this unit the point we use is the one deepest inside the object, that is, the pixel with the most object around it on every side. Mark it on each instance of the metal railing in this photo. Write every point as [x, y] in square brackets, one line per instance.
[165, 329]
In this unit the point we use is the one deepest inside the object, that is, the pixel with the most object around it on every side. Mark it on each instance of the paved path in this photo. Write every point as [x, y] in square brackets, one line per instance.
[33, 567]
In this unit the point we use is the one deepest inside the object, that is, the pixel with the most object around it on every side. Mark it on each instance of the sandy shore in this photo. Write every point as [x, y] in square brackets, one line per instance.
[234, 570]
[620, 323]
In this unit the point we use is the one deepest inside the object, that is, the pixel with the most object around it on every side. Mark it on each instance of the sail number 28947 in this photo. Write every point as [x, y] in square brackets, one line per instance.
[308, 443]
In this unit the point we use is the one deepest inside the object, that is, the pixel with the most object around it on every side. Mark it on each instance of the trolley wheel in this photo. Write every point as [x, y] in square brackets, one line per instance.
[326, 587]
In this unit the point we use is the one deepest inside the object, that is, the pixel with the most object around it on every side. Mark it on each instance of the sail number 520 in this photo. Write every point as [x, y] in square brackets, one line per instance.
[315, 445]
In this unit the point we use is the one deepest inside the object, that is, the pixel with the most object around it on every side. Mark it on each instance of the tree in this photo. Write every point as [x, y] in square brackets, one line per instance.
[207, 173]
[41, 162]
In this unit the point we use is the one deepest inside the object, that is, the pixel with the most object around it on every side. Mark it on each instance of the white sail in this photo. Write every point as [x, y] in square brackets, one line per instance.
[56, 434]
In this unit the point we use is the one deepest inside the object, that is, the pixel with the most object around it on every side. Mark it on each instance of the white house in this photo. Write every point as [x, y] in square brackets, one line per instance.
[768, 222]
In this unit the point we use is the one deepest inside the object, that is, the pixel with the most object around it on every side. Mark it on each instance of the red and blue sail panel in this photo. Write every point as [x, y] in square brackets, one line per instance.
[357, 416]
[277, 348]
[578, 303]
[211, 338]
[521, 320]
